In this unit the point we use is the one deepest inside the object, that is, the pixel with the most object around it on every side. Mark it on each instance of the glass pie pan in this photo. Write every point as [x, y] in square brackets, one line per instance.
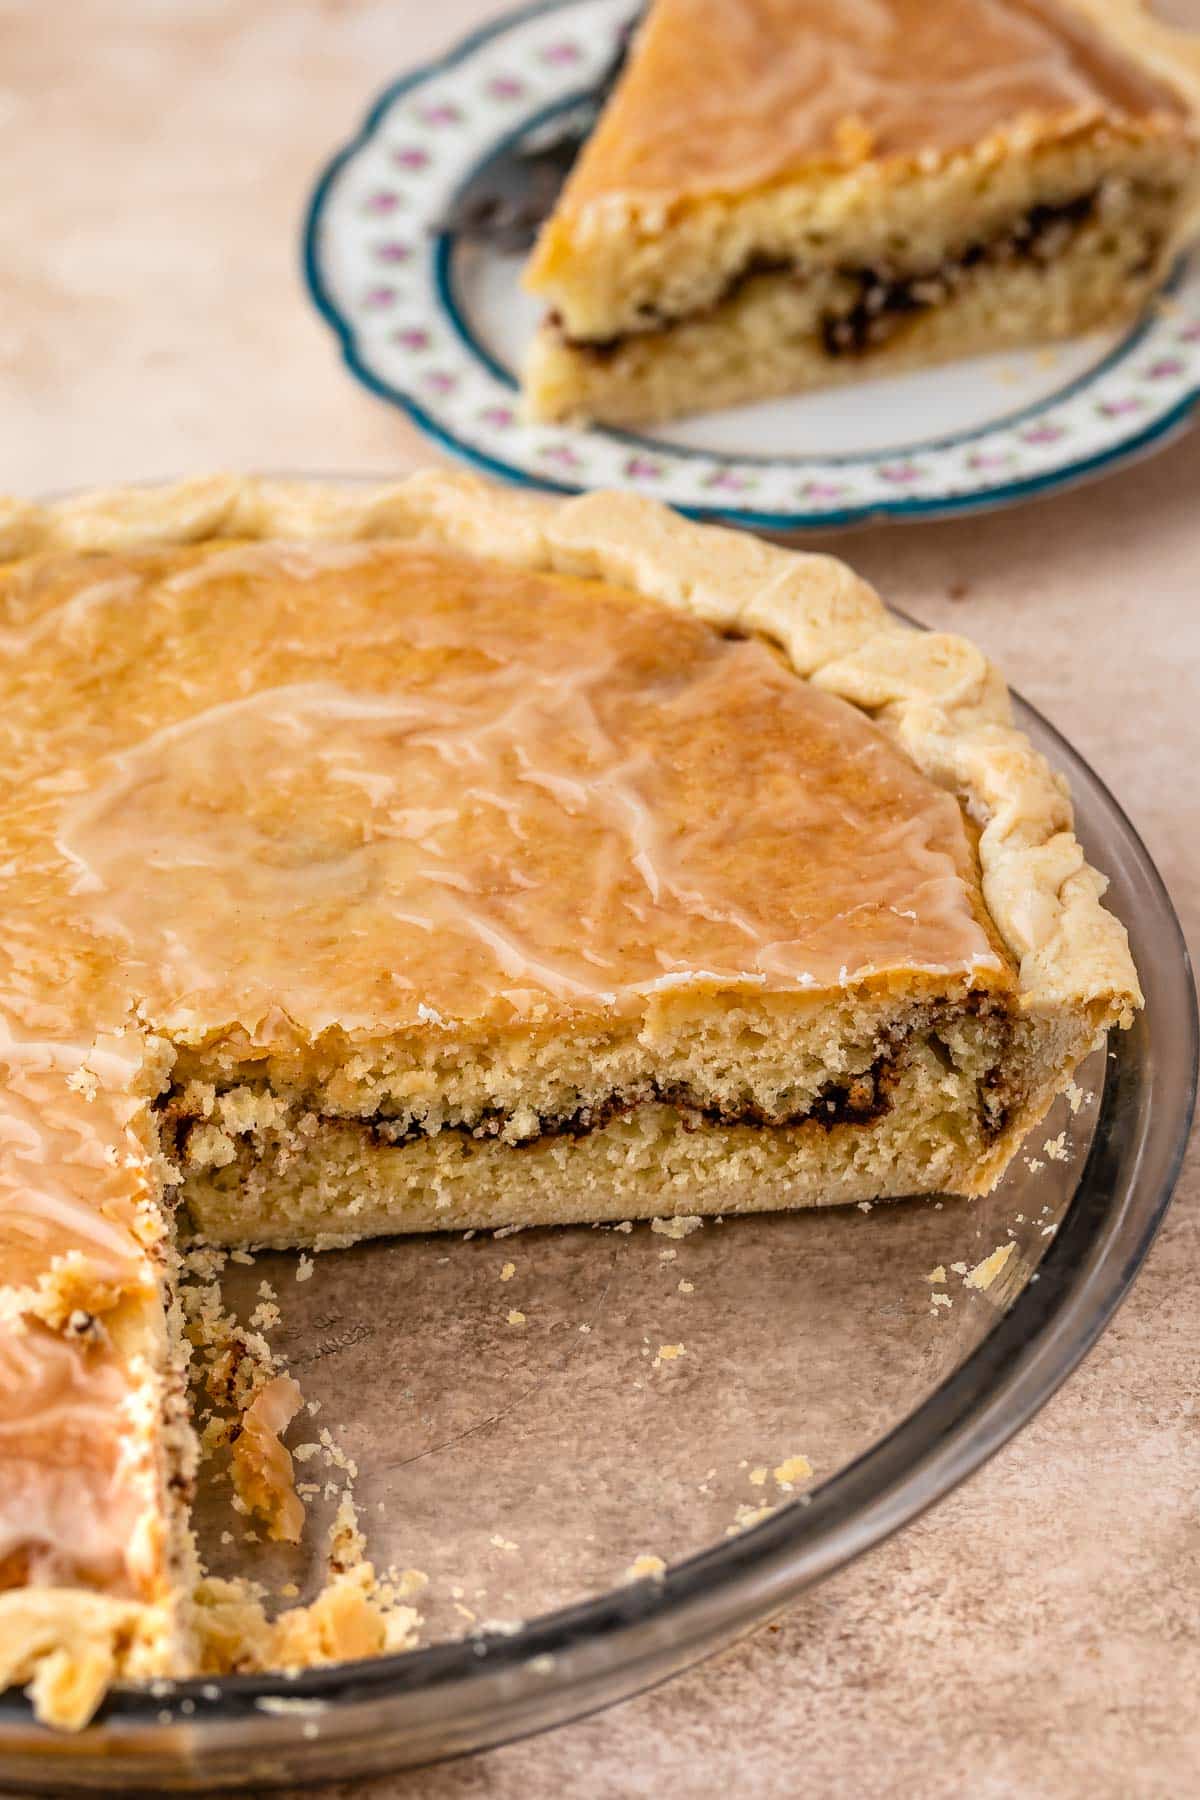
[529, 1416]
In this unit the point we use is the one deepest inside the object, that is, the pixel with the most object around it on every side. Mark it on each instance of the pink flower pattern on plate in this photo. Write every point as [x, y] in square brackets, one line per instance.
[902, 474]
[561, 455]
[444, 113]
[505, 87]
[990, 459]
[730, 481]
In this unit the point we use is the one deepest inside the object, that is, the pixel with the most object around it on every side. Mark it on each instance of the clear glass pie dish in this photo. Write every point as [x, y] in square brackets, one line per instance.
[754, 1403]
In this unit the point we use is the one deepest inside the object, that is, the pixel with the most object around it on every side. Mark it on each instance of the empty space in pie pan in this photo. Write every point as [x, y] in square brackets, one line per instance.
[754, 1403]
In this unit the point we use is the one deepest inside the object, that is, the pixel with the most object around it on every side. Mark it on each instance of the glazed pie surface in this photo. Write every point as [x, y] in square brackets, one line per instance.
[796, 84]
[345, 786]
[434, 859]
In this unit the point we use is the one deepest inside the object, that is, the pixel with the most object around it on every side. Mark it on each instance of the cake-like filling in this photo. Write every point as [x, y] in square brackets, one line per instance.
[264, 1163]
[857, 1101]
[873, 303]
[884, 300]
[257, 1165]
[778, 1084]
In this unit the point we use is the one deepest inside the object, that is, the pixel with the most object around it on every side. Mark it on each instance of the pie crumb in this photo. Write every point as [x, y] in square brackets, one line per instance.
[645, 1566]
[347, 1545]
[985, 1272]
[792, 1470]
[260, 1465]
[746, 1516]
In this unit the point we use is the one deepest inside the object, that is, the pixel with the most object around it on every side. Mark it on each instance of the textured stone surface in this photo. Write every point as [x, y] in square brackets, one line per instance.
[1037, 1635]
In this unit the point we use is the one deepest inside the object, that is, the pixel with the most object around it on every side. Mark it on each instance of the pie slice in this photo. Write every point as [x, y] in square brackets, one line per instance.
[441, 858]
[786, 193]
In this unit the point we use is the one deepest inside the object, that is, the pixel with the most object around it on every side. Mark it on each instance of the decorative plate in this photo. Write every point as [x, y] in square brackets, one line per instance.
[438, 326]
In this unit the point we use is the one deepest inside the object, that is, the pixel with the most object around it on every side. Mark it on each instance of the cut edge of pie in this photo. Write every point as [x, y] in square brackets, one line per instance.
[683, 1113]
[737, 229]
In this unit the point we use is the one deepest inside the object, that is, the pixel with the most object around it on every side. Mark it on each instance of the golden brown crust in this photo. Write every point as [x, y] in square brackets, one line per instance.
[721, 99]
[937, 693]
[69, 1645]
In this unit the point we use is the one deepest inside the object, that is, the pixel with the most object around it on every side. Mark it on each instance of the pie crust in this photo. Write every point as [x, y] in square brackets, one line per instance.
[158, 1043]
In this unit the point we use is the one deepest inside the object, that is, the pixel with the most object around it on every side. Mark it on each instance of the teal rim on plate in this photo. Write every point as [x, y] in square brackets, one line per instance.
[418, 326]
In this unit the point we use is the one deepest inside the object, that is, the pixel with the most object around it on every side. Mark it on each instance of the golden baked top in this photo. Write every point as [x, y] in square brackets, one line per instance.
[357, 786]
[721, 97]
[220, 691]
[276, 760]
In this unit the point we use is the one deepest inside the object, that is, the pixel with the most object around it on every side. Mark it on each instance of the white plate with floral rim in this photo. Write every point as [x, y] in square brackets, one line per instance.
[437, 326]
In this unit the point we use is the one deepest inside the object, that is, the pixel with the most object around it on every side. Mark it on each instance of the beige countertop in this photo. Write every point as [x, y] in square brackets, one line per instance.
[1038, 1634]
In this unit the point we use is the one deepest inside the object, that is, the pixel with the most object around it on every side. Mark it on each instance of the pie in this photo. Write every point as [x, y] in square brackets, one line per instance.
[782, 194]
[437, 858]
